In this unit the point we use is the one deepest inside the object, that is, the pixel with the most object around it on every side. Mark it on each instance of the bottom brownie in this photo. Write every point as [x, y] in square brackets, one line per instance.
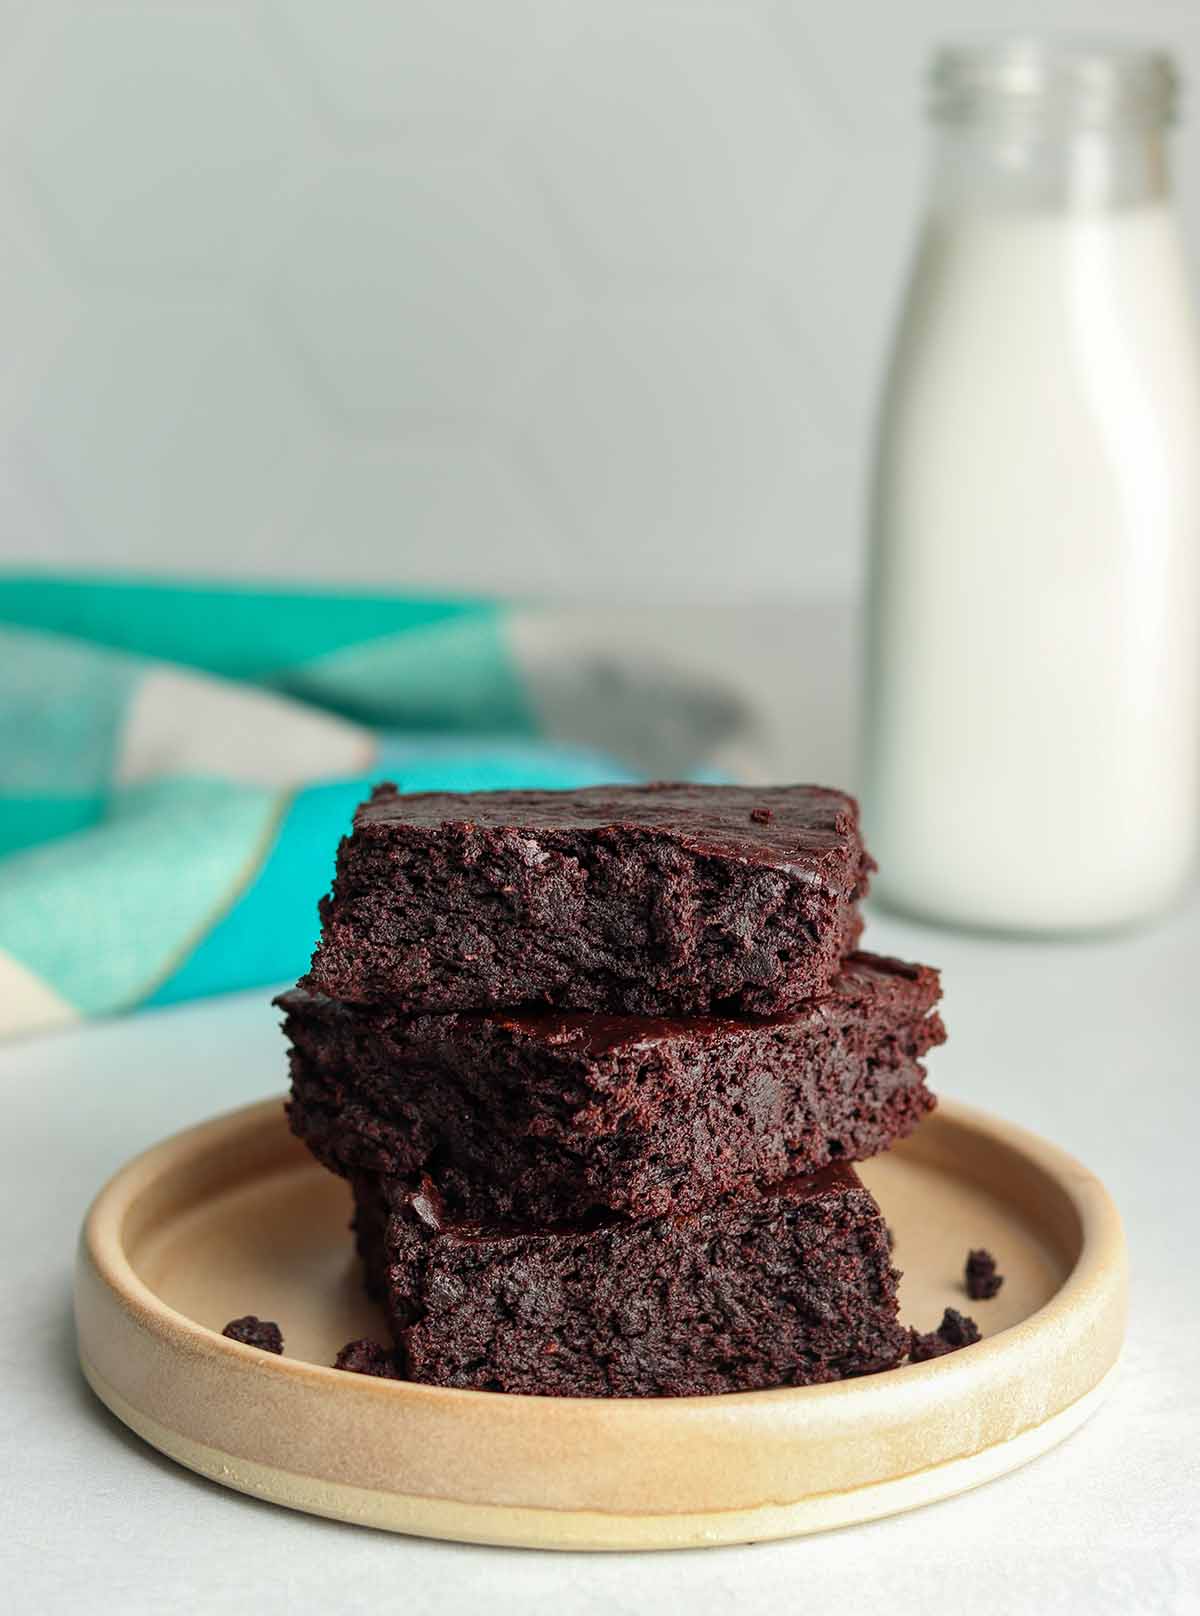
[786, 1287]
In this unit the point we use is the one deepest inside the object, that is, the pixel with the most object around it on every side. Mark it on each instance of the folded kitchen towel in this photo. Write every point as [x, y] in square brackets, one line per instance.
[177, 762]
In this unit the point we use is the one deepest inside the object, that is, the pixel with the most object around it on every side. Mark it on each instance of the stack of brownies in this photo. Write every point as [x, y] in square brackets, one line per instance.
[596, 1065]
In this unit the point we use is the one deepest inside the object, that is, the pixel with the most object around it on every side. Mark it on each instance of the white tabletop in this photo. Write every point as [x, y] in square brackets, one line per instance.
[1093, 1045]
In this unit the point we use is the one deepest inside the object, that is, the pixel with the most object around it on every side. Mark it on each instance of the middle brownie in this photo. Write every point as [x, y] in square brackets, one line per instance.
[548, 1115]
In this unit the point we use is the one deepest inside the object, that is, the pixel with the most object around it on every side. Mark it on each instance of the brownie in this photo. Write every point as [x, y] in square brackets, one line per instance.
[788, 1286]
[657, 899]
[547, 1115]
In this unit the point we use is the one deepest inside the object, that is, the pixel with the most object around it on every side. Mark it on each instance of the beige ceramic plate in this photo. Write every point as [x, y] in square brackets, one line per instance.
[233, 1217]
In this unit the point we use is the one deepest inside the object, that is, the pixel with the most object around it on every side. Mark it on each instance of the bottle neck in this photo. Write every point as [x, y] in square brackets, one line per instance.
[1052, 124]
[1027, 164]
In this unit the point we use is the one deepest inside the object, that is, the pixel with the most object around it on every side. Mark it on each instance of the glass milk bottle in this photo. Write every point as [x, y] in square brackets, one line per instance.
[1032, 704]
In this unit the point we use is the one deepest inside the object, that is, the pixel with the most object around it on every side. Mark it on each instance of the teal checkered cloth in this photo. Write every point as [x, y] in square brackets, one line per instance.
[177, 764]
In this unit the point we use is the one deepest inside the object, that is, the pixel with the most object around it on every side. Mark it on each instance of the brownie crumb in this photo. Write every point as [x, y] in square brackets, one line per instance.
[982, 1279]
[890, 1235]
[251, 1332]
[366, 1357]
[761, 816]
[954, 1332]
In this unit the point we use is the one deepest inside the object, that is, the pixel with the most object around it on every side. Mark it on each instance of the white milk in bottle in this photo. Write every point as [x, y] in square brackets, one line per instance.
[1033, 702]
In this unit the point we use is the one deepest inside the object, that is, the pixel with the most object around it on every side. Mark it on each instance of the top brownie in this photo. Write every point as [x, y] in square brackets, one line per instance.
[653, 899]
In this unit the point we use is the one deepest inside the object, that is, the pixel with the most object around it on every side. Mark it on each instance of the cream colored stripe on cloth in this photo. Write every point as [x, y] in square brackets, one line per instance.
[181, 724]
[27, 1004]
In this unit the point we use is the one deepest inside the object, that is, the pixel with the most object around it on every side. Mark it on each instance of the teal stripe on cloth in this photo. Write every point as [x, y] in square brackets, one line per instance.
[483, 763]
[26, 821]
[62, 705]
[239, 632]
[100, 916]
[449, 675]
[269, 934]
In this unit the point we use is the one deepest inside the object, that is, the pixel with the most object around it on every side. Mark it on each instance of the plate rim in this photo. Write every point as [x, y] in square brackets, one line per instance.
[508, 1526]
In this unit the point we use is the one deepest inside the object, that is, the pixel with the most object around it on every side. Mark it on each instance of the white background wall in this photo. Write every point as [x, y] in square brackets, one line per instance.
[566, 297]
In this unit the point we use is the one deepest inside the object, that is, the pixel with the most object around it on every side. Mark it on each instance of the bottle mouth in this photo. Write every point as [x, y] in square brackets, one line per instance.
[1088, 82]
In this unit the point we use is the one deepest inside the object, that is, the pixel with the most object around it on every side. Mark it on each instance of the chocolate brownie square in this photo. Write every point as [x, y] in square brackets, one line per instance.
[548, 1115]
[659, 899]
[788, 1286]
